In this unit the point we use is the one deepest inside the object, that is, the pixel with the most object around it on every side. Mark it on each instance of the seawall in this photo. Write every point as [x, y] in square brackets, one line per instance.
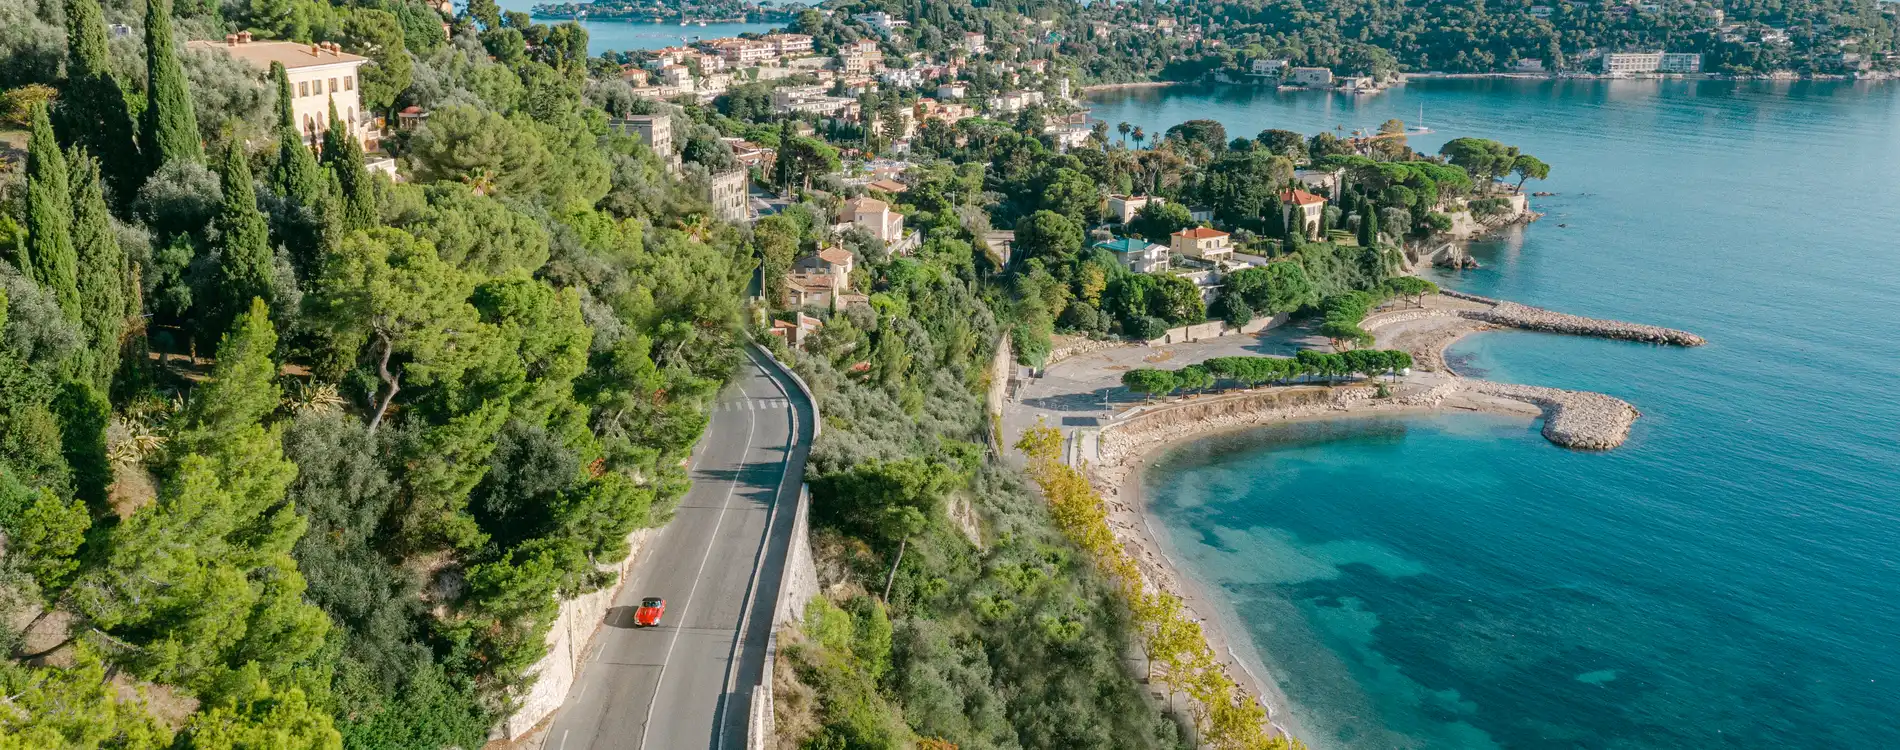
[1515, 315]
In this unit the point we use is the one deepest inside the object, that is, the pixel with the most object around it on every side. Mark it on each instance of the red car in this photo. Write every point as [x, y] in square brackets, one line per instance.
[648, 615]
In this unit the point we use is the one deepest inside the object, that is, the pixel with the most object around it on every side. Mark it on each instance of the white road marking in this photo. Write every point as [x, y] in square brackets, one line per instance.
[660, 684]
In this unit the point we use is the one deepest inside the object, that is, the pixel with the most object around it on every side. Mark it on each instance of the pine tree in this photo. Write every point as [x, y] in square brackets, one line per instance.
[49, 212]
[344, 155]
[245, 262]
[92, 111]
[296, 177]
[103, 276]
[1368, 226]
[170, 128]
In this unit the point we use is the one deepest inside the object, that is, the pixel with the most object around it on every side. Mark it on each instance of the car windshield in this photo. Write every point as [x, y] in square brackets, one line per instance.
[651, 601]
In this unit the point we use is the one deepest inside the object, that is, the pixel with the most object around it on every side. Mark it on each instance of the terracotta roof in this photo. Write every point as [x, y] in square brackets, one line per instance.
[1301, 198]
[836, 256]
[887, 186]
[1200, 233]
[856, 205]
[292, 54]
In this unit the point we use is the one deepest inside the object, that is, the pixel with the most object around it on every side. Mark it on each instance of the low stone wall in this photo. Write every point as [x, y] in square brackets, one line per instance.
[1076, 346]
[1377, 320]
[798, 583]
[1126, 437]
[1538, 319]
[1572, 419]
[580, 618]
[1214, 329]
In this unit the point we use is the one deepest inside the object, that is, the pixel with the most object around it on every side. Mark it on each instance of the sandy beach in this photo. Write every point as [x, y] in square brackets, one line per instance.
[1129, 439]
[1120, 486]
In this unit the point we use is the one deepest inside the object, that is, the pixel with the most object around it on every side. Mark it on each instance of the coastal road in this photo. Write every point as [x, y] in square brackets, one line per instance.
[686, 685]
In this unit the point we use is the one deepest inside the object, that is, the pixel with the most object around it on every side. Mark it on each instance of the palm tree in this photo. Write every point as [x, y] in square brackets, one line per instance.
[1139, 137]
[1123, 129]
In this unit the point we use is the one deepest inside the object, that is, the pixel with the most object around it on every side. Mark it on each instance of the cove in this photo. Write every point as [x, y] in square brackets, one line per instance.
[1728, 577]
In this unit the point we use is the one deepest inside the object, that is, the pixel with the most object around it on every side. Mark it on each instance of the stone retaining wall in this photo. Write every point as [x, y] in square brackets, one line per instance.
[1401, 316]
[579, 618]
[1121, 439]
[1076, 346]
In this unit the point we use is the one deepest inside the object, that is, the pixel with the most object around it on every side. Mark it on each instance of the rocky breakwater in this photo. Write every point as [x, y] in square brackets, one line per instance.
[1573, 419]
[1538, 319]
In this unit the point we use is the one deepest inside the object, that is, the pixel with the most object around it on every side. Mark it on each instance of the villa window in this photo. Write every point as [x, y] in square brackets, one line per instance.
[333, 85]
[349, 83]
[303, 88]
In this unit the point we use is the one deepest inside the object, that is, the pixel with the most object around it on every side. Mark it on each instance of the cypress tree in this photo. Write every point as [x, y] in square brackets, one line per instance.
[49, 211]
[344, 156]
[296, 177]
[1368, 227]
[170, 127]
[245, 262]
[92, 112]
[103, 277]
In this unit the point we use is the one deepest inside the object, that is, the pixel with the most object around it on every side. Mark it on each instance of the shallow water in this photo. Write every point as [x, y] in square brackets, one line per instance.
[1728, 578]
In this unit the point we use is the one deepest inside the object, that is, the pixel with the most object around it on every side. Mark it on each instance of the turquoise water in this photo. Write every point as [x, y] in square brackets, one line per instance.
[1730, 578]
[619, 36]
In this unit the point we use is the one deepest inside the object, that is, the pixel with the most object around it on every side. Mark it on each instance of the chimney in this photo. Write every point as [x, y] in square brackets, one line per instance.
[336, 50]
[313, 49]
[244, 37]
[230, 40]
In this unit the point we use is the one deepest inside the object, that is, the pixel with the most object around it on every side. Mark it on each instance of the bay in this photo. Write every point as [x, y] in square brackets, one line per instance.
[622, 36]
[1730, 577]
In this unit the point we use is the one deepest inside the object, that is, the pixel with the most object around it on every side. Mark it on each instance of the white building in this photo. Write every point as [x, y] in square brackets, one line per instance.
[861, 57]
[1068, 137]
[883, 22]
[975, 43]
[320, 74]
[1635, 63]
[1269, 67]
[1141, 256]
[952, 91]
[1529, 65]
[1015, 101]
[875, 216]
[903, 78]
[1315, 77]
[656, 131]
[789, 45]
[728, 195]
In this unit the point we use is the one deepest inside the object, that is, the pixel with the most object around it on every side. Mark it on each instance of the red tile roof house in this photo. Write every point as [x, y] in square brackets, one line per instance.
[1205, 243]
[1312, 209]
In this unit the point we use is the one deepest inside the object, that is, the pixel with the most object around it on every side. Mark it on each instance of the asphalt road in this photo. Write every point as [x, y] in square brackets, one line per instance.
[687, 683]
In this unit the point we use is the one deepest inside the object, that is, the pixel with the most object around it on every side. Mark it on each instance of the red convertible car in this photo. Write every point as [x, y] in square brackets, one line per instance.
[648, 615]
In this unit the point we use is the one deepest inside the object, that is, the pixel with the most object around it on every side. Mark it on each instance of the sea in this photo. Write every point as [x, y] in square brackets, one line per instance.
[1730, 577]
[623, 36]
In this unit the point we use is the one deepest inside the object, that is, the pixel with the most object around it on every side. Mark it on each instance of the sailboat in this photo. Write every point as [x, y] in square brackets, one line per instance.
[1420, 127]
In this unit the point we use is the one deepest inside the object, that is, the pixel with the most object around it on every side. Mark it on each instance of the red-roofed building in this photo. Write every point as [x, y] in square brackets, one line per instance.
[1206, 243]
[1310, 208]
[796, 331]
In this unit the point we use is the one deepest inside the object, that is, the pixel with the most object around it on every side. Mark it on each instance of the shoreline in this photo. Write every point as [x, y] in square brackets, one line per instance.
[1094, 87]
[1120, 485]
[1127, 446]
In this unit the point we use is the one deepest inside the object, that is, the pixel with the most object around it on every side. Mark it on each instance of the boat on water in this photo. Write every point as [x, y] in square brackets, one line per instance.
[1420, 127]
